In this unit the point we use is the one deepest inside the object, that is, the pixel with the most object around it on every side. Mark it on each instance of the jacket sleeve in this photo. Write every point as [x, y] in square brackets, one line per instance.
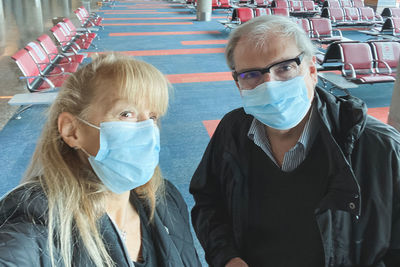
[22, 245]
[392, 257]
[210, 215]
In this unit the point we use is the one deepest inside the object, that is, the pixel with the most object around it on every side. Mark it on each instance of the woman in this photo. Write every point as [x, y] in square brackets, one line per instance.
[93, 194]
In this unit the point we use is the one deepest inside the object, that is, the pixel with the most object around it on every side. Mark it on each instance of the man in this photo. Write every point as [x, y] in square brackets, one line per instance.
[298, 177]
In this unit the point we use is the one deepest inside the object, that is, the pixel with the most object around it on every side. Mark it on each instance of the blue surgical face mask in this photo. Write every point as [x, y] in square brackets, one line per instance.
[278, 104]
[128, 154]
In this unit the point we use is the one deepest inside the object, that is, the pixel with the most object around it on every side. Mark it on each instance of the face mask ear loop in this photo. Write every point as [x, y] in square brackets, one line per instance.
[88, 123]
[84, 151]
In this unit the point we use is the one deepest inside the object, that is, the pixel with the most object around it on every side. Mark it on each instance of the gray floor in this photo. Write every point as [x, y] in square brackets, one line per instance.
[22, 21]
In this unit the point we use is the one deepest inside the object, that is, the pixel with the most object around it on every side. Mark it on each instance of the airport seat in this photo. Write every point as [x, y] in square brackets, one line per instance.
[367, 15]
[309, 6]
[280, 4]
[357, 59]
[351, 14]
[242, 14]
[86, 20]
[82, 31]
[226, 4]
[391, 12]
[46, 67]
[346, 3]
[358, 3]
[331, 3]
[323, 32]
[35, 81]
[296, 6]
[304, 23]
[386, 54]
[261, 3]
[282, 11]
[259, 11]
[391, 26]
[336, 15]
[55, 55]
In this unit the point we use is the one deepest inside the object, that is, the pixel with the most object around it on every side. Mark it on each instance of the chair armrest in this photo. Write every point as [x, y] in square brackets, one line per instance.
[386, 66]
[353, 72]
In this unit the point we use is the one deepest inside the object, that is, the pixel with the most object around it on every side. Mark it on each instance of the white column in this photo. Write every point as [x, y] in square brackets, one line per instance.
[204, 10]
[394, 112]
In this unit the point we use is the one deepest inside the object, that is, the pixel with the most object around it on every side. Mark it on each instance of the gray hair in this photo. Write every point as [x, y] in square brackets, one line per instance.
[260, 28]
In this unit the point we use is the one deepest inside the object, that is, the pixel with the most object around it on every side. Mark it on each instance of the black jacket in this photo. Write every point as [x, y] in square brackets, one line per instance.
[23, 232]
[359, 217]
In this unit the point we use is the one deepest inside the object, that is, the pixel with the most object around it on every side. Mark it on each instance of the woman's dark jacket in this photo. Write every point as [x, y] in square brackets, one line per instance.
[23, 232]
[359, 216]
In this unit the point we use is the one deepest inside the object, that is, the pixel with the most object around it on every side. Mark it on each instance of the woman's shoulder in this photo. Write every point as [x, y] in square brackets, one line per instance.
[23, 234]
[26, 203]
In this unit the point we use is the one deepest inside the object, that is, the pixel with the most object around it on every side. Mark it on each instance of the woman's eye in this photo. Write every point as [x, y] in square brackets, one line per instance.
[153, 117]
[127, 114]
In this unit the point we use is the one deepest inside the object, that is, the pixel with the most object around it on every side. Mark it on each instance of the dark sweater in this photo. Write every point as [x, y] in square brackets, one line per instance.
[282, 229]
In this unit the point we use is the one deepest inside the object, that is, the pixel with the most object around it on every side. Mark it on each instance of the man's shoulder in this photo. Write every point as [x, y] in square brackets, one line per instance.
[377, 129]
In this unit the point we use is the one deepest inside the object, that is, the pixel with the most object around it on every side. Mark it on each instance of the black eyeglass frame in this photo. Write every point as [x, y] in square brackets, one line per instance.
[297, 59]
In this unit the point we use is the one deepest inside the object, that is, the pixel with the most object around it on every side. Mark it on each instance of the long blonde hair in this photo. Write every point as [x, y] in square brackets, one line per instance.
[76, 197]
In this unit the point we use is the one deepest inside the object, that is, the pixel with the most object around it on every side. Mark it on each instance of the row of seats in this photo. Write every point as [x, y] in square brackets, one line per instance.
[351, 15]
[320, 30]
[364, 62]
[243, 14]
[295, 6]
[343, 3]
[45, 65]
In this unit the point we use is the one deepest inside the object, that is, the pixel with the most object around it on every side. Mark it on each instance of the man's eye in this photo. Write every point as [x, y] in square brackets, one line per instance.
[250, 75]
[127, 114]
[282, 68]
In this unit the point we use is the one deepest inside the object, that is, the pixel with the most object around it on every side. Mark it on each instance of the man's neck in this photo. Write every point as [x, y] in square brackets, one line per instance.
[282, 141]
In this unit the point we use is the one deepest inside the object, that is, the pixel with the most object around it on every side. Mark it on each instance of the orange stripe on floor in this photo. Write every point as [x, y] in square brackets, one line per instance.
[132, 13]
[147, 23]
[379, 113]
[124, 10]
[160, 18]
[5, 97]
[204, 42]
[211, 125]
[200, 77]
[161, 33]
[170, 52]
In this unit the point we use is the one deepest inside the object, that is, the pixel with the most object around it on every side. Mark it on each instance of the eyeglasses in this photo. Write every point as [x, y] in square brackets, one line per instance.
[280, 71]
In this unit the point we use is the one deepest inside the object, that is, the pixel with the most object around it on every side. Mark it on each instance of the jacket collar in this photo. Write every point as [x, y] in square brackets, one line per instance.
[343, 120]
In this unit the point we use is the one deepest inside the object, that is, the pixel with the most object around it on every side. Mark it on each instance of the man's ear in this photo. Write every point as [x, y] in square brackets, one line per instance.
[313, 70]
[67, 127]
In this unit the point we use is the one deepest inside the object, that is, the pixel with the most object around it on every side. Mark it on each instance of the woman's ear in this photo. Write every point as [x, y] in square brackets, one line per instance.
[67, 127]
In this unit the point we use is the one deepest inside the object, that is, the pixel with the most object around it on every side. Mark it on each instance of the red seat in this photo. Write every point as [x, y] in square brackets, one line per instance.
[296, 6]
[309, 6]
[262, 11]
[34, 80]
[83, 40]
[387, 57]
[261, 3]
[332, 3]
[323, 32]
[225, 4]
[84, 32]
[305, 25]
[281, 11]
[215, 4]
[358, 3]
[351, 14]
[55, 55]
[86, 19]
[367, 15]
[336, 15]
[46, 67]
[280, 4]
[346, 3]
[242, 14]
[358, 61]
